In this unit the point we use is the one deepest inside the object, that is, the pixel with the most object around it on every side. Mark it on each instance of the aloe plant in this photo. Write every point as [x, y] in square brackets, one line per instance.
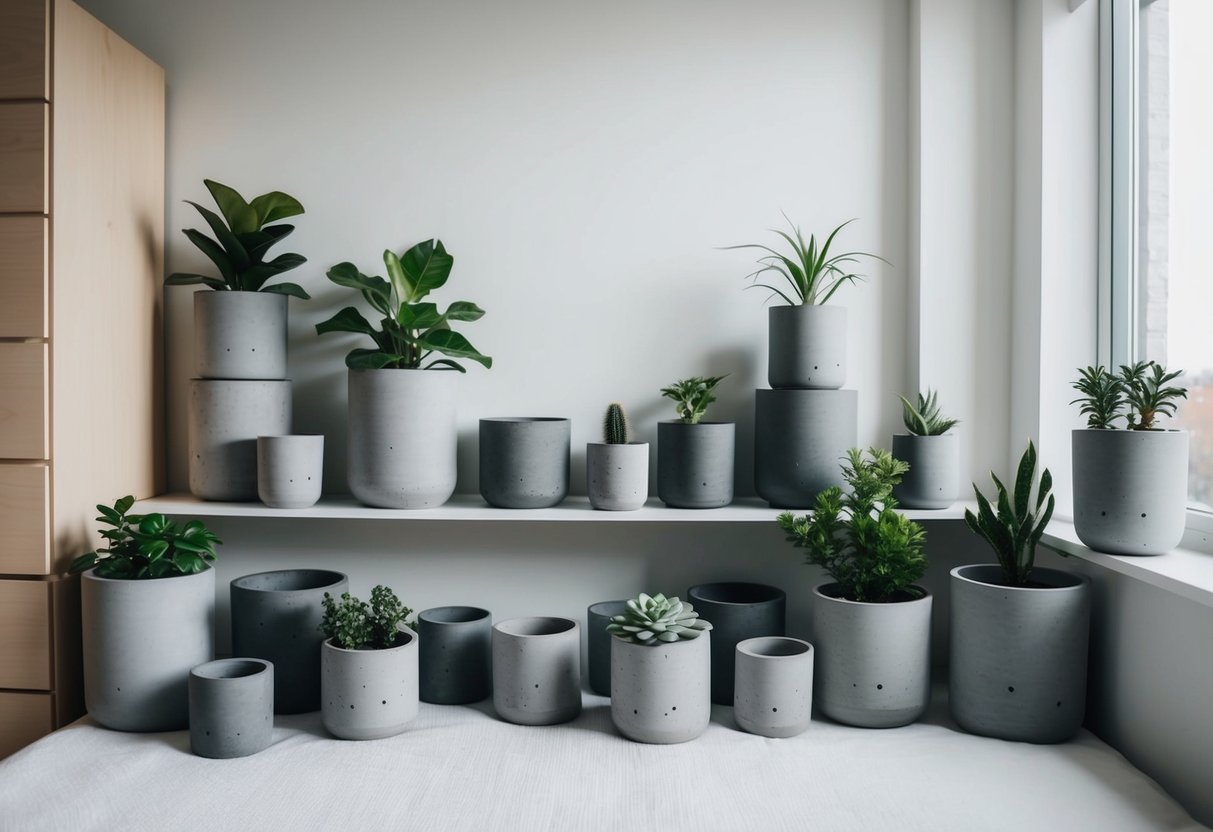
[357, 625]
[615, 425]
[147, 546]
[655, 619]
[925, 418]
[1141, 393]
[692, 396]
[1016, 526]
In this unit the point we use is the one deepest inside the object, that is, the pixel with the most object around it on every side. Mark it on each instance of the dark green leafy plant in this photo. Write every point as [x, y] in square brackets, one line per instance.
[872, 551]
[1102, 396]
[147, 546]
[411, 331]
[243, 237]
[1016, 527]
[925, 419]
[357, 625]
[615, 425]
[655, 619]
[692, 396]
[1140, 393]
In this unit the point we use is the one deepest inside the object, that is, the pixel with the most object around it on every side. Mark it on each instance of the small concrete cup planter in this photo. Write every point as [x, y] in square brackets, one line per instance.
[598, 644]
[617, 476]
[738, 611]
[807, 347]
[695, 464]
[524, 461]
[290, 469]
[799, 438]
[537, 670]
[240, 335]
[456, 654]
[225, 419]
[774, 689]
[933, 481]
[231, 707]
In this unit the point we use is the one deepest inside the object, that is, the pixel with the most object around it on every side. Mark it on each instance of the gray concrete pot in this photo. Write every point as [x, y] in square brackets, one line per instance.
[456, 654]
[240, 335]
[774, 690]
[933, 480]
[231, 707]
[225, 419]
[290, 469]
[1018, 666]
[524, 461]
[807, 347]
[140, 640]
[369, 694]
[617, 476]
[537, 670]
[402, 437]
[598, 644]
[737, 611]
[800, 440]
[276, 616]
[1130, 489]
[661, 693]
[873, 660]
[695, 464]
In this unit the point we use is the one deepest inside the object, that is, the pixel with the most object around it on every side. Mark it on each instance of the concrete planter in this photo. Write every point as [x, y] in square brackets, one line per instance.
[402, 437]
[276, 616]
[240, 335]
[695, 464]
[598, 643]
[617, 476]
[933, 480]
[369, 694]
[807, 347]
[231, 707]
[1130, 489]
[737, 611]
[1018, 668]
[774, 690]
[456, 654]
[225, 419]
[661, 693]
[524, 462]
[800, 440]
[537, 670]
[290, 469]
[140, 640]
[873, 660]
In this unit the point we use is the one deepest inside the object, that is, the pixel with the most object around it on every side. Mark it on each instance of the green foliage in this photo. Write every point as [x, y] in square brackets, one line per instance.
[411, 330]
[653, 619]
[357, 625]
[692, 396]
[1015, 528]
[243, 237]
[615, 425]
[1140, 393]
[147, 546]
[925, 419]
[871, 550]
[1102, 396]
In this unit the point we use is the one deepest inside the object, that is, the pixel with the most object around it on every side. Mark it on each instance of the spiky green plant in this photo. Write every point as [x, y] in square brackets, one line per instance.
[615, 425]
[1014, 529]
[1140, 393]
[1103, 396]
[692, 396]
[147, 546]
[925, 419]
[357, 625]
[653, 619]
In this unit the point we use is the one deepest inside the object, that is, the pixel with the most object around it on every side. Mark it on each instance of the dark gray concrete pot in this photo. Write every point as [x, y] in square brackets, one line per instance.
[537, 670]
[598, 643]
[524, 461]
[695, 464]
[774, 689]
[617, 476]
[290, 469]
[800, 440]
[276, 616]
[456, 654]
[240, 335]
[807, 347]
[231, 707]
[225, 419]
[369, 694]
[737, 611]
[660, 692]
[1018, 668]
[933, 480]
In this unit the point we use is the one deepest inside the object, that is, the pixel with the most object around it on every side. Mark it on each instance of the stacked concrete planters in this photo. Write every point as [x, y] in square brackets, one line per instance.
[661, 693]
[738, 611]
[806, 347]
[456, 654]
[774, 690]
[524, 462]
[537, 670]
[617, 476]
[598, 643]
[695, 464]
[231, 707]
[240, 335]
[933, 480]
[369, 694]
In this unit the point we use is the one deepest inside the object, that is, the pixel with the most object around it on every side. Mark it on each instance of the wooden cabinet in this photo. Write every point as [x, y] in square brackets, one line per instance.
[23, 276]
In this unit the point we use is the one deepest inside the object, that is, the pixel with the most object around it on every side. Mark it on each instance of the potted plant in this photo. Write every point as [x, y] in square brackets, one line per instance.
[1018, 632]
[617, 470]
[402, 433]
[1130, 484]
[660, 670]
[931, 451]
[694, 457]
[368, 666]
[872, 623]
[147, 603]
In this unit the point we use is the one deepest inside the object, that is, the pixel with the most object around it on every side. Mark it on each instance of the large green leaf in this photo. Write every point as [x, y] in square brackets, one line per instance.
[253, 278]
[462, 310]
[348, 319]
[231, 244]
[275, 206]
[376, 290]
[187, 279]
[292, 289]
[405, 289]
[415, 316]
[370, 359]
[257, 243]
[216, 254]
[427, 267]
[240, 216]
[453, 344]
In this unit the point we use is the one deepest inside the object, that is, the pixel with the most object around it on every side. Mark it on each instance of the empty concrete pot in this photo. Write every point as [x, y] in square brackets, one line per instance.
[225, 419]
[695, 464]
[617, 476]
[456, 654]
[369, 694]
[537, 670]
[933, 480]
[524, 461]
[661, 693]
[231, 707]
[774, 690]
[807, 347]
[290, 469]
[240, 335]
[598, 643]
[737, 611]
[800, 440]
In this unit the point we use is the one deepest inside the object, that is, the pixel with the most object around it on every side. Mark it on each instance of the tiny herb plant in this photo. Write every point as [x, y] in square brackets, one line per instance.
[692, 396]
[655, 619]
[147, 546]
[1016, 527]
[615, 425]
[1140, 393]
[925, 418]
[357, 625]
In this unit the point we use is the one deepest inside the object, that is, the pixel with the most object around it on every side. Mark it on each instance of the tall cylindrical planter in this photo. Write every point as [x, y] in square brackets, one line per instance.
[1130, 489]
[231, 707]
[240, 335]
[456, 654]
[774, 690]
[369, 694]
[524, 462]
[737, 611]
[660, 693]
[225, 419]
[276, 616]
[873, 660]
[1018, 664]
[290, 469]
[537, 670]
[598, 643]
[695, 464]
[617, 476]
[800, 440]
[807, 347]
[933, 480]
[402, 437]
[140, 640]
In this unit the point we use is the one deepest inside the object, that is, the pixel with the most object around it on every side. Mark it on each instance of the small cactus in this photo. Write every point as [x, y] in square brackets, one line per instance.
[651, 619]
[615, 425]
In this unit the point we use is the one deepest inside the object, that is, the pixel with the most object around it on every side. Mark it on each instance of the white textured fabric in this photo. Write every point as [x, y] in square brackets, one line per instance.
[459, 768]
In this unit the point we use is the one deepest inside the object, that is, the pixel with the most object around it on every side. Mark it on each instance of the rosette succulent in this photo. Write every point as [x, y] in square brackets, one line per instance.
[651, 619]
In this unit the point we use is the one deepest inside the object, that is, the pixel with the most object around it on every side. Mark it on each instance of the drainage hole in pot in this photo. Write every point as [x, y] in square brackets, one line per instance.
[674, 708]
[384, 701]
[774, 710]
[536, 685]
[208, 733]
[880, 687]
[1143, 514]
[1059, 703]
[1010, 688]
[351, 707]
[119, 690]
[814, 366]
[1103, 514]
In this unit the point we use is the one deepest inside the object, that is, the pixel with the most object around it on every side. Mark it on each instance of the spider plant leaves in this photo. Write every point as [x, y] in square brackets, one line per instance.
[275, 206]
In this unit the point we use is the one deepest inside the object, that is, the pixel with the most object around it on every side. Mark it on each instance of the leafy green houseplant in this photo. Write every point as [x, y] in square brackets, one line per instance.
[1014, 523]
[694, 457]
[654, 619]
[1140, 393]
[146, 546]
[353, 624]
[692, 396]
[931, 451]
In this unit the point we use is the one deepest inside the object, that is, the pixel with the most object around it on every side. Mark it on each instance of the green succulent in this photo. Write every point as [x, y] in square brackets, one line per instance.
[653, 619]
[615, 425]
[925, 419]
[147, 546]
[1014, 529]
[357, 625]
[692, 396]
[1140, 394]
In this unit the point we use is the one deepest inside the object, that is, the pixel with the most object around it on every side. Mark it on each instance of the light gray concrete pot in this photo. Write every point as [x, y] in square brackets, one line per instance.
[524, 461]
[402, 437]
[737, 611]
[290, 469]
[1130, 489]
[695, 464]
[231, 707]
[537, 670]
[140, 640]
[617, 476]
[240, 335]
[807, 347]
[225, 419]
[456, 654]
[774, 690]
[276, 616]
[933, 480]
[369, 694]
[661, 693]
[1018, 665]
[598, 644]
[873, 660]
[800, 440]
